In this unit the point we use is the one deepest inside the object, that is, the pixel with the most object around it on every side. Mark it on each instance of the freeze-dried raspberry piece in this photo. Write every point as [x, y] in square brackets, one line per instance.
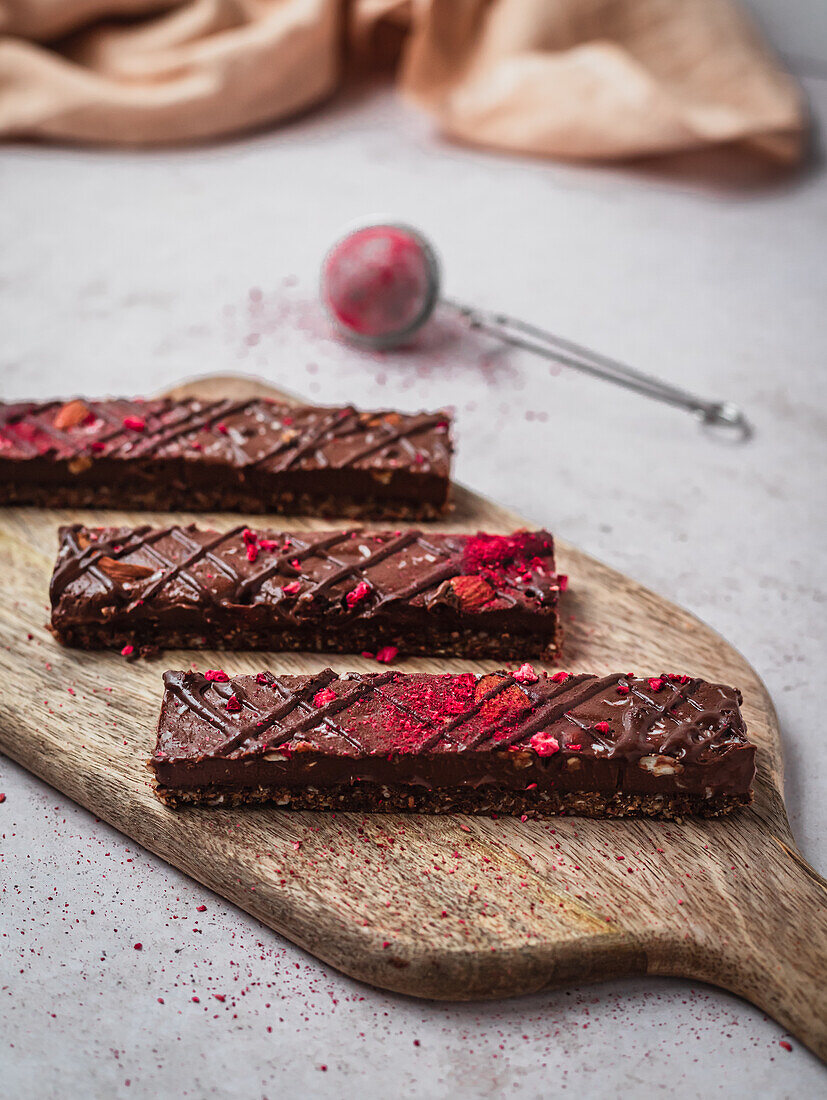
[357, 594]
[544, 744]
[324, 696]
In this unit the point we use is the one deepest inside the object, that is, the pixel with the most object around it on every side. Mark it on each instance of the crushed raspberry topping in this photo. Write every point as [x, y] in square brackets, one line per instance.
[506, 557]
[445, 696]
[655, 683]
[678, 678]
[268, 544]
[525, 674]
[601, 727]
[217, 675]
[386, 654]
[262, 678]
[562, 581]
[134, 423]
[559, 677]
[127, 651]
[233, 704]
[361, 590]
[622, 689]
[544, 744]
[22, 430]
[483, 550]
[327, 695]
[221, 428]
[501, 709]
[574, 748]
[292, 588]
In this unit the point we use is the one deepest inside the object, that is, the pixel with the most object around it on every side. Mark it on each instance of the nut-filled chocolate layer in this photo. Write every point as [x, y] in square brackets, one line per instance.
[252, 455]
[333, 591]
[522, 742]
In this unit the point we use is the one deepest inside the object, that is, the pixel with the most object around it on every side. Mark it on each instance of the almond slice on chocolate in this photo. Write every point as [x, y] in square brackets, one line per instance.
[472, 592]
[123, 571]
[507, 702]
[70, 415]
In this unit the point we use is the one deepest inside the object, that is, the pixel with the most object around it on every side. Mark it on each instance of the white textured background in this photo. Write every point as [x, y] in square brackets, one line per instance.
[123, 273]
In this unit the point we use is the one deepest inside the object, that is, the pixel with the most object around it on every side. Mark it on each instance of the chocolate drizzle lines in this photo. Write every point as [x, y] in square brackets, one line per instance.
[545, 704]
[314, 437]
[415, 425]
[120, 543]
[570, 695]
[322, 715]
[180, 569]
[111, 414]
[81, 560]
[190, 689]
[409, 712]
[193, 419]
[284, 562]
[293, 700]
[167, 421]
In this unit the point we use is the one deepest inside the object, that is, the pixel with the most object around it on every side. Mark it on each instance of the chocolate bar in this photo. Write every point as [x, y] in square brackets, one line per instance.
[521, 743]
[342, 591]
[252, 455]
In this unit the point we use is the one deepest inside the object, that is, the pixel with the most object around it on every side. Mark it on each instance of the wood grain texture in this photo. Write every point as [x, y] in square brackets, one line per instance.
[443, 907]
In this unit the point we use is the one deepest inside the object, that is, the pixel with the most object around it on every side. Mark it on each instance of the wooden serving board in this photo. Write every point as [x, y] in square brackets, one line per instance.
[442, 907]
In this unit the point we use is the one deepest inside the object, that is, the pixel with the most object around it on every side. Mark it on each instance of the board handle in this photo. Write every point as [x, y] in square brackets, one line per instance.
[793, 982]
[769, 945]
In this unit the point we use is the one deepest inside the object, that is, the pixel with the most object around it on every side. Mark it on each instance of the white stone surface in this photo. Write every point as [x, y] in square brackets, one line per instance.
[123, 273]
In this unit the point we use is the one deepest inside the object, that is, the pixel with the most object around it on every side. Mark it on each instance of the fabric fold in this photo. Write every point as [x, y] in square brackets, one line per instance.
[585, 79]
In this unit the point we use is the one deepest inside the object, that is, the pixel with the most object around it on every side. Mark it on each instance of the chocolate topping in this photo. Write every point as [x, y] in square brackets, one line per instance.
[148, 584]
[249, 447]
[610, 734]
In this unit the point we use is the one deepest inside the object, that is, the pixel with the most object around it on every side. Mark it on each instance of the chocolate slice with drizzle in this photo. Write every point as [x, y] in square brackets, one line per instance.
[338, 591]
[507, 742]
[252, 455]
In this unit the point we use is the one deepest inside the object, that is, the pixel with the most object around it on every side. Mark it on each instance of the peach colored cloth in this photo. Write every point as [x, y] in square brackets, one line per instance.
[565, 78]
